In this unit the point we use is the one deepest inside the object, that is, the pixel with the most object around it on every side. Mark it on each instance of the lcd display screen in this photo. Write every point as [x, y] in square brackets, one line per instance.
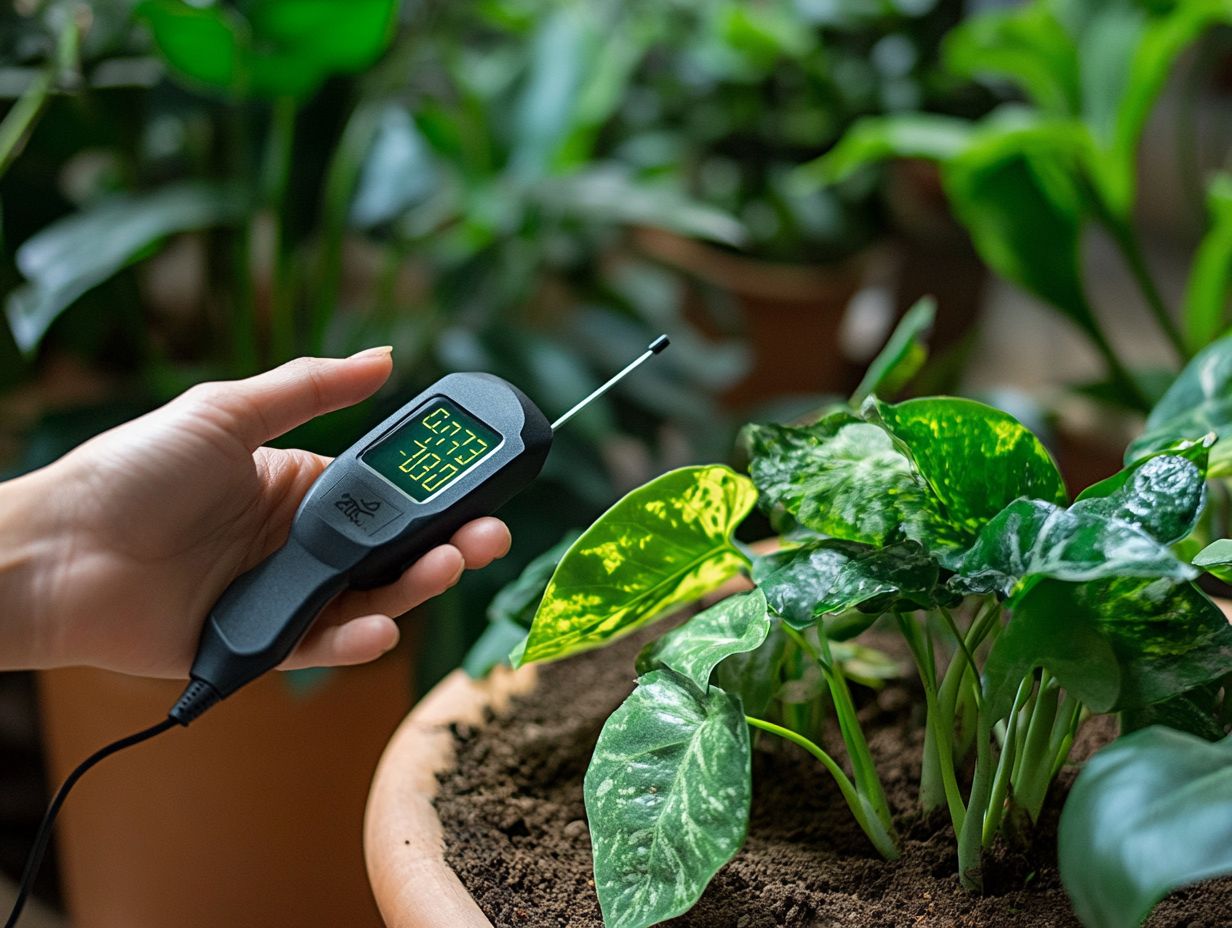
[431, 450]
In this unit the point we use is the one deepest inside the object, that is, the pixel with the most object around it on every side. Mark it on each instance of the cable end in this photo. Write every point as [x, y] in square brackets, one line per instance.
[658, 344]
[197, 698]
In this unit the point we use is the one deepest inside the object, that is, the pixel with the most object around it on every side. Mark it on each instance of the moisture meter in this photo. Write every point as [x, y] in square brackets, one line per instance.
[457, 451]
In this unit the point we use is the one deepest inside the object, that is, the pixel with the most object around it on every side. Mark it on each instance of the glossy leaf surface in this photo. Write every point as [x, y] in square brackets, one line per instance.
[1216, 559]
[666, 543]
[1148, 814]
[1033, 538]
[1163, 495]
[667, 796]
[976, 459]
[841, 476]
[832, 576]
[754, 675]
[1198, 402]
[1116, 643]
[733, 625]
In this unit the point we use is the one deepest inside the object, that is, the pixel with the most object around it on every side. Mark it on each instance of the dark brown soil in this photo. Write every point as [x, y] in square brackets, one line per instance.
[516, 830]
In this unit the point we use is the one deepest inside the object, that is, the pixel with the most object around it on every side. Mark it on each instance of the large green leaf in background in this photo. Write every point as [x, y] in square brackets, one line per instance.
[1148, 814]
[1031, 538]
[733, 625]
[666, 543]
[841, 476]
[1205, 311]
[1199, 401]
[831, 576]
[273, 47]
[976, 459]
[1216, 559]
[879, 138]
[1117, 643]
[667, 798]
[80, 251]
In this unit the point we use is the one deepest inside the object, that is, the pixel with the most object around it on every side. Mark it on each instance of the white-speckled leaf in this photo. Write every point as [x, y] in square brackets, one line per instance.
[667, 797]
[664, 544]
[731, 626]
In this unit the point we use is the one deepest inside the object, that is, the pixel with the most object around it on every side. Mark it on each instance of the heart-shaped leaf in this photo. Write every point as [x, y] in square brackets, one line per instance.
[1198, 402]
[841, 477]
[667, 796]
[832, 576]
[666, 543]
[1148, 814]
[1117, 643]
[976, 459]
[733, 625]
[903, 355]
[1031, 538]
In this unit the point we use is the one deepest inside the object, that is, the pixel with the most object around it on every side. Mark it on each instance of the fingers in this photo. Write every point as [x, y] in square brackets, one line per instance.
[355, 642]
[265, 406]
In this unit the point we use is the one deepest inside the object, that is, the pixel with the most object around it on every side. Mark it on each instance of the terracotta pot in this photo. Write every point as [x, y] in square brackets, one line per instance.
[403, 843]
[250, 818]
[792, 314]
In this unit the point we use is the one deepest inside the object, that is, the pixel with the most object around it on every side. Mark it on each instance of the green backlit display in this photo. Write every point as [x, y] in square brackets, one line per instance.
[432, 450]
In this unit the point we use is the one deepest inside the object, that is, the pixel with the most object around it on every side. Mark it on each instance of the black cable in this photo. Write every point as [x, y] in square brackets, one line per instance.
[44, 833]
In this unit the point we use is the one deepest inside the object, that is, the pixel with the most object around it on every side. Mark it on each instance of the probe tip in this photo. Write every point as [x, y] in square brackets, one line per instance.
[659, 344]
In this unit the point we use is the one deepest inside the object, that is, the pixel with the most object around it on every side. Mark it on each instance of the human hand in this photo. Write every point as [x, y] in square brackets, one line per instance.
[113, 555]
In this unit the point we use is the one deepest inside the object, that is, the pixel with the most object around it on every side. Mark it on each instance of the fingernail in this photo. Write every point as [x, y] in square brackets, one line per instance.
[383, 351]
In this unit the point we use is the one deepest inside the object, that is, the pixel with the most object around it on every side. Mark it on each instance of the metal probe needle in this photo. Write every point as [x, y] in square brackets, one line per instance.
[653, 348]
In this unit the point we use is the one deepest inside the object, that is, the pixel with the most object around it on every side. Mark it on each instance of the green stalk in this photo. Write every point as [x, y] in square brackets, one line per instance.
[970, 836]
[246, 341]
[19, 122]
[1131, 250]
[280, 152]
[1005, 763]
[884, 842]
[1034, 766]
[1063, 731]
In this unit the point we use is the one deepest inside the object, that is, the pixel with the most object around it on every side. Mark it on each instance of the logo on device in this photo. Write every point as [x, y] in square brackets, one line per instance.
[357, 509]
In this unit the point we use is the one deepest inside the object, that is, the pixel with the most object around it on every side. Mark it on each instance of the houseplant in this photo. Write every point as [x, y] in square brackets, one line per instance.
[1024, 616]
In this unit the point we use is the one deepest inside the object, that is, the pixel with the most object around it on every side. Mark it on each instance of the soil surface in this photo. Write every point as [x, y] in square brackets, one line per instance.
[516, 833]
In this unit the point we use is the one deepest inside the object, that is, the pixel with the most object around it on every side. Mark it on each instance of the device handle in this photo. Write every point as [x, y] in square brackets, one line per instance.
[262, 615]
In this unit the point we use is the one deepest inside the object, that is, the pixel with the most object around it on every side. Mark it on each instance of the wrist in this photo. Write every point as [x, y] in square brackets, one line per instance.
[29, 537]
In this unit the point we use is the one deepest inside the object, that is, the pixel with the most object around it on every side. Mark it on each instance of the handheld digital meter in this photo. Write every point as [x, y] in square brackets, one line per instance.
[457, 451]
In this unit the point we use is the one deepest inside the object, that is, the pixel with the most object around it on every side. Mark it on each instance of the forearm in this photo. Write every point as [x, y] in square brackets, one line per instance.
[29, 540]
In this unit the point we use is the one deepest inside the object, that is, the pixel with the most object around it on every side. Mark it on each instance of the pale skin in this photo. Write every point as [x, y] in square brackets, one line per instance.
[112, 556]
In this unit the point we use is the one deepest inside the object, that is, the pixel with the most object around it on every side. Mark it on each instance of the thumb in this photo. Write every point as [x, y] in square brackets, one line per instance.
[269, 404]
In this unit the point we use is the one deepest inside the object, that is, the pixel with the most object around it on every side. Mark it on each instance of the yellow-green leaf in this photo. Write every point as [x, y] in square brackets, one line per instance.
[664, 544]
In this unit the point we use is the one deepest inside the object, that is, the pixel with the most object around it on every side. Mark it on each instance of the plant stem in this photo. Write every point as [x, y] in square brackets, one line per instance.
[1005, 763]
[970, 836]
[19, 122]
[1131, 250]
[1034, 765]
[246, 341]
[883, 841]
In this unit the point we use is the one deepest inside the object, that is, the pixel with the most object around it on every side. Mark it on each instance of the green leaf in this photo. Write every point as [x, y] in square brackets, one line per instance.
[976, 459]
[398, 172]
[1205, 310]
[1216, 559]
[1026, 45]
[1195, 712]
[492, 648]
[833, 576]
[1118, 643]
[879, 138]
[1163, 495]
[667, 796]
[1031, 538]
[80, 251]
[903, 355]
[668, 542]
[517, 601]
[1148, 814]
[272, 48]
[733, 625]
[1198, 402]
[1014, 191]
[754, 675]
[841, 477]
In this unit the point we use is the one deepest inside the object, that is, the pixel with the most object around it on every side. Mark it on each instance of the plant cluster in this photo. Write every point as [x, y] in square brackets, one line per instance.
[1024, 612]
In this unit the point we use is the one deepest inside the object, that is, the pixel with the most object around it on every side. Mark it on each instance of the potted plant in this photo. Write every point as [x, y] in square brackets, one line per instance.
[940, 520]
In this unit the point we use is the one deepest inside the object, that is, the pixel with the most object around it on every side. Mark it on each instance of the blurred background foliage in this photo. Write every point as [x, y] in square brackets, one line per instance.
[535, 188]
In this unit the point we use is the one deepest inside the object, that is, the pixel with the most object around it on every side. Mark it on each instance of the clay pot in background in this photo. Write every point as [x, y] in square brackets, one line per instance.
[251, 817]
[792, 315]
